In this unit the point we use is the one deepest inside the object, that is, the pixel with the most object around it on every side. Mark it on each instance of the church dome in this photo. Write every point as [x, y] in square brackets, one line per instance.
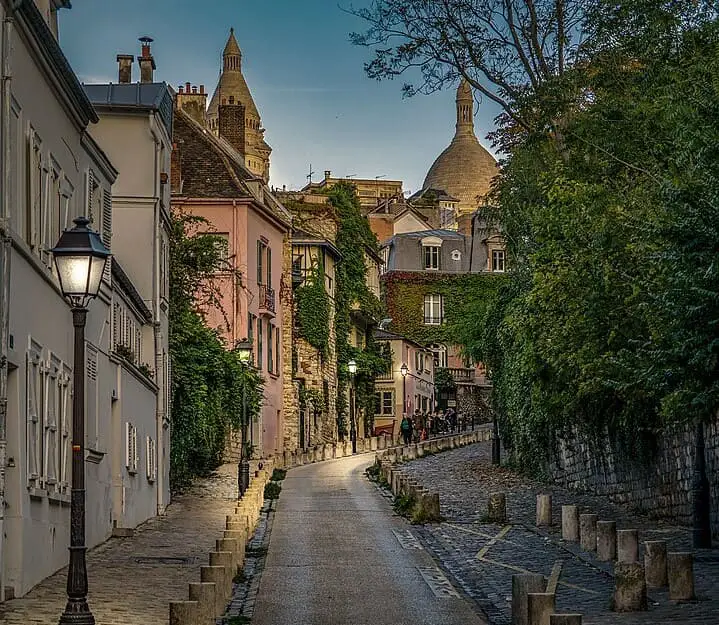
[465, 169]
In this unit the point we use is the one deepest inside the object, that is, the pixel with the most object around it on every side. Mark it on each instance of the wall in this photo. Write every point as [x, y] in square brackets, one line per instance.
[661, 486]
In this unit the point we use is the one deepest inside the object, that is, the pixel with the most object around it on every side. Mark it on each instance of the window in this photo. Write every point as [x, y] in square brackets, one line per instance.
[151, 450]
[16, 199]
[498, 260]
[384, 403]
[277, 351]
[270, 348]
[251, 332]
[431, 257]
[456, 255]
[131, 459]
[419, 361]
[264, 264]
[259, 343]
[269, 267]
[260, 258]
[35, 188]
[433, 309]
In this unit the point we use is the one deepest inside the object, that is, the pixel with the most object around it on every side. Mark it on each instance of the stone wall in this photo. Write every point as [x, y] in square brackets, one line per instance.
[473, 401]
[659, 485]
[290, 397]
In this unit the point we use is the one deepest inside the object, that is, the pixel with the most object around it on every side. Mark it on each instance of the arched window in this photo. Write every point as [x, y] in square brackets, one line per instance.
[440, 354]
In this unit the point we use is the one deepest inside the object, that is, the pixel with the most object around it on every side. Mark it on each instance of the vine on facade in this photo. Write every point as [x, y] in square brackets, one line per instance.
[313, 309]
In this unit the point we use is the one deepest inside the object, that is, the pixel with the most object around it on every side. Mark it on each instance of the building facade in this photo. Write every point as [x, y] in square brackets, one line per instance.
[54, 170]
[371, 191]
[211, 180]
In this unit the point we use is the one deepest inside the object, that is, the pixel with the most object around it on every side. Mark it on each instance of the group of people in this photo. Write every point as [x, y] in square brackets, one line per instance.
[422, 425]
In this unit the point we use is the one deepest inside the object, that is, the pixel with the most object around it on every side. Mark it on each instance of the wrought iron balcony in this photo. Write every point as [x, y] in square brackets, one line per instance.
[267, 298]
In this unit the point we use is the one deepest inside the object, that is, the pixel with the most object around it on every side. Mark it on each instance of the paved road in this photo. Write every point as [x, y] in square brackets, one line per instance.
[334, 558]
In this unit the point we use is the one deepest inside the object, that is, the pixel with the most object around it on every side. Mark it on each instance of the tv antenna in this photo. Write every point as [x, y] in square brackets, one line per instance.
[310, 174]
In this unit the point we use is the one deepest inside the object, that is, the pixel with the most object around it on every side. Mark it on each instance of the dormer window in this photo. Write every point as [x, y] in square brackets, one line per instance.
[431, 253]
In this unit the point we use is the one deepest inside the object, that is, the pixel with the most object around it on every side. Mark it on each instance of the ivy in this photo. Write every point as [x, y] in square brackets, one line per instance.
[209, 381]
[313, 309]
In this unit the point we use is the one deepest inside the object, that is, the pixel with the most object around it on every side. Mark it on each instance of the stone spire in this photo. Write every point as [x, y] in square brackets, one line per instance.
[232, 55]
[465, 108]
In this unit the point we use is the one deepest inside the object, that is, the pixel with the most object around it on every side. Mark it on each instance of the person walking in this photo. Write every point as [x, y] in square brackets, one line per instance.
[406, 429]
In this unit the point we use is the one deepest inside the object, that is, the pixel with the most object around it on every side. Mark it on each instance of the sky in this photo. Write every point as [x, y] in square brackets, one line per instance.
[316, 103]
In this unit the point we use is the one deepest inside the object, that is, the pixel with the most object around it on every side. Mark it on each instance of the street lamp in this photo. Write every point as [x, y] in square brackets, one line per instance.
[352, 366]
[244, 350]
[701, 495]
[80, 259]
[404, 370]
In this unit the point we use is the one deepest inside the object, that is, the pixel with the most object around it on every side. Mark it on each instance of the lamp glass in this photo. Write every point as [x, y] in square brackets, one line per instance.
[404, 369]
[244, 349]
[79, 275]
[352, 366]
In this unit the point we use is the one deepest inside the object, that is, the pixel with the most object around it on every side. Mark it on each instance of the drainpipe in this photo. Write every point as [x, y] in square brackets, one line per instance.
[5, 247]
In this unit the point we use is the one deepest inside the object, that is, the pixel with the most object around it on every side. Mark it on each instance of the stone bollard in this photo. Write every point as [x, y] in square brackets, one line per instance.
[588, 531]
[427, 507]
[204, 594]
[522, 585]
[373, 443]
[544, 510]
[540, 606]
[630, 589]
[381, 443]
[655, 563]
[606, 541]
[565, 619]
[286, 459]
[680, 571]
[497, 508]
[183, 612]
[570, 523]
[225, 559]
[628, 546]
[216, 575]
[231, 545]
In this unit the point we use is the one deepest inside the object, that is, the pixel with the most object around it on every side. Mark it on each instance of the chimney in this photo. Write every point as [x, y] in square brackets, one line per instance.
[328, 174]
[192, 102]
[232, 125]
[147, 63]
[124, 62]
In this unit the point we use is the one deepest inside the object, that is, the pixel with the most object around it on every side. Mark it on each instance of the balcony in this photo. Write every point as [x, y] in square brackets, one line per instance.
[267, 299]
[461, 375]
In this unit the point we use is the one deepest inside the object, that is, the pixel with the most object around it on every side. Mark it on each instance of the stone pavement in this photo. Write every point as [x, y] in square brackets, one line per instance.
[482, 557]
[132, 580]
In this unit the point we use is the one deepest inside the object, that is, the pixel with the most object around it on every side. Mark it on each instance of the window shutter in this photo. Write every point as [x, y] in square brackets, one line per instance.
[259, 262]
[151, 459]
[90, 193]
[91, 433]
[269, 267]
[33, 417]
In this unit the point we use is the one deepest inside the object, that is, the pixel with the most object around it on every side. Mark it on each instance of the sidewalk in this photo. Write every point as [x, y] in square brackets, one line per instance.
[484, 556]
[132, 580]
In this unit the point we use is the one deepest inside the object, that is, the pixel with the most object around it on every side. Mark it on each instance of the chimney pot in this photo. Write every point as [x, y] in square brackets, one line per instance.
[181, 89]
[202, 89]
[146, 61]
[328, 174]
[124, 62]
[187, 87]
[194, 89]
[232, 99]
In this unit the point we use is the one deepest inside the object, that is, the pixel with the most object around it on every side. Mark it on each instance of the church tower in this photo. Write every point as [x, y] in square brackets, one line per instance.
[234, 115]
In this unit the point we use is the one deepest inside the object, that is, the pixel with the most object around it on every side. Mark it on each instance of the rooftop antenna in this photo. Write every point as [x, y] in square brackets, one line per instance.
[382, 176]
[310, 174]
[350, 175]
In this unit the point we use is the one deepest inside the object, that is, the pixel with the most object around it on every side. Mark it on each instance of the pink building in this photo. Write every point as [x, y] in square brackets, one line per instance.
[210, 179]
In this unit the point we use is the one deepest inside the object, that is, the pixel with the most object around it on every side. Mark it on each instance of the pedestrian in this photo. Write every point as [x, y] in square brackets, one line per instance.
[406, 429]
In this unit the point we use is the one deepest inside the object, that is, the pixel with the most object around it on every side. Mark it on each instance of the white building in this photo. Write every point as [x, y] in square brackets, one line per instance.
[52, 171]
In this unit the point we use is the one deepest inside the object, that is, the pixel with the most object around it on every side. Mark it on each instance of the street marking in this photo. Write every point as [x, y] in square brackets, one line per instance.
[437, 582]
[554, 577]
[407, 540]
[519, 569]
[502, 533]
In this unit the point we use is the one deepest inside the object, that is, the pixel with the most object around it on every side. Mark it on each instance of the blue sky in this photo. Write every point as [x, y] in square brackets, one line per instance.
[306, 78]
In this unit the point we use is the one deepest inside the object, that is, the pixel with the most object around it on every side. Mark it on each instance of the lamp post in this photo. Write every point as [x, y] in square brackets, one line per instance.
[701, 521]
[80, 258]
[404, 370]
[352, 366]
[244, 350]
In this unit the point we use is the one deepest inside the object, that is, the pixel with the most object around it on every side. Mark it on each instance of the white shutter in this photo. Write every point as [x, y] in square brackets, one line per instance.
[151, 459]
[106, 231]
[64, 435]
[90, 195]
[131, 447]
[33, 416]
[91, 434]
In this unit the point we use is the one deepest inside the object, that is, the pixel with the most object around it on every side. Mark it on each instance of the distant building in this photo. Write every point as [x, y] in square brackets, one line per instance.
[371, 191]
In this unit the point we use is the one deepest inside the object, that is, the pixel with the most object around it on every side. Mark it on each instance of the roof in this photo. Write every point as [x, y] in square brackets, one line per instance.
[386, 335]
[300, 237]
[232, 83]
[211, 168]
[140, 96]
[123, 280]
[232, 47]
[59, 66]
[440, 194]
[440, 233]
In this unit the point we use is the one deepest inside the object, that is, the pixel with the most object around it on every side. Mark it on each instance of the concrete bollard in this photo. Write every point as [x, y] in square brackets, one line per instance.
[373, 443]
[231, 545]
[522, 586]
[588, 531]
[427, 507]
[381, 443]
[630, 589]
[239, 536]
[628, 546]
[570, 523]
[497, 508]
[540, 606]
[565, 619]
[226, 560]
[680, 571]
[217, 575]
[606, 541]
[204, 595]
[544, 510]
[183, 612]
[655, 563]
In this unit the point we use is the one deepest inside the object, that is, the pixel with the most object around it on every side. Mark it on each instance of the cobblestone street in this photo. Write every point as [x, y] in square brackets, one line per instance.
[132, 580]
[483, 556]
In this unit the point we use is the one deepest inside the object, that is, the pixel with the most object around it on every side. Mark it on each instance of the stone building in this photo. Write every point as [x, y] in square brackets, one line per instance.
[465, 169]
[244, 129]
[53, 170]
[371, 191]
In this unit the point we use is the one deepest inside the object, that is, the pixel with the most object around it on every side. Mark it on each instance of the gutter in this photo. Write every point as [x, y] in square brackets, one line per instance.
[5, 250]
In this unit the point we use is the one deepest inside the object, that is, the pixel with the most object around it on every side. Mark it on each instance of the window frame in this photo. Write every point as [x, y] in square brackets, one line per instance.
[431, 300]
